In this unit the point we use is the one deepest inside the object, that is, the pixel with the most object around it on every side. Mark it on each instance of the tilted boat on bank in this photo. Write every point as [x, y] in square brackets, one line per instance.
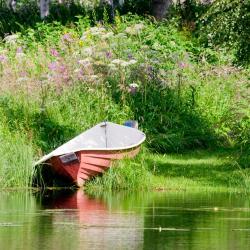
[93, 151]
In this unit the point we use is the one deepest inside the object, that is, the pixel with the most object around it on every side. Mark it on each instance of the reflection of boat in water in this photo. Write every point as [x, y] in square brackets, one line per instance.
[94, 224]
[93, 151]
[78, 203]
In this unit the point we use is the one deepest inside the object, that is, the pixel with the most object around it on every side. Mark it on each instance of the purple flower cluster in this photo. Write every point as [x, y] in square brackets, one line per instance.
[59, 71]
[67, 38]
[19, 50]
[3, 58]
[54, 52]
[53, 66]
[109, 54]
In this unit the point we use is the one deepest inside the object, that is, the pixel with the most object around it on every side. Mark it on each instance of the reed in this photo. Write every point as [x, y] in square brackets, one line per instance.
[16, 161]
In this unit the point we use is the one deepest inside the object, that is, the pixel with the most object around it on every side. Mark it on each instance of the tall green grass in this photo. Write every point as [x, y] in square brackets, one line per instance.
[16, 160]
[127, 174]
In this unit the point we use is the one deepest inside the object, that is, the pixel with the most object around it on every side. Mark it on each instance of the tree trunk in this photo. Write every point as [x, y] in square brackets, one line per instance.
[160, 8]
[44, 8]
[12, 5]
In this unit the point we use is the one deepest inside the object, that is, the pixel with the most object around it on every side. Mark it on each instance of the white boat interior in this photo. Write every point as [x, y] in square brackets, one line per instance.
[103, 136]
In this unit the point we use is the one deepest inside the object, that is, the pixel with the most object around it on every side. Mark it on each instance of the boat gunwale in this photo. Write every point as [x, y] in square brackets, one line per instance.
[50, 155]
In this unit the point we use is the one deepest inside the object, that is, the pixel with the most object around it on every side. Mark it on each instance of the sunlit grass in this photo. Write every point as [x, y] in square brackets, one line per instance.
[192, 171]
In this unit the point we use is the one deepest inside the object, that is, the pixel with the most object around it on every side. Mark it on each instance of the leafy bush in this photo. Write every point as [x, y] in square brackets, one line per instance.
[228, 23]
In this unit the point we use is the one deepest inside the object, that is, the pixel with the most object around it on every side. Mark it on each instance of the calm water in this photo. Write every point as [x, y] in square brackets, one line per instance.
[73, 220]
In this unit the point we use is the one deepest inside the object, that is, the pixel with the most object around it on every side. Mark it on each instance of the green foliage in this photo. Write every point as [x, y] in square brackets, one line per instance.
[16, 157]
[188, 12]
[228, 23]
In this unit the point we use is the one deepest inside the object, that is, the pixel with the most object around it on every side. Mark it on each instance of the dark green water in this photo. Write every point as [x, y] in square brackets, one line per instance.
[73, 220]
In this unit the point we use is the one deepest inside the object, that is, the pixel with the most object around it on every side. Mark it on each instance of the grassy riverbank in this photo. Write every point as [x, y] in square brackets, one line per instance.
[58, 80]
[190, 171]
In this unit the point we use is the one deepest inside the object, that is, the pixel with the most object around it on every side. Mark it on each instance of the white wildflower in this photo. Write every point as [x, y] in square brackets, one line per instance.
[20, 55]
[108, 35]
[132, 62]
[133, 85]
[11, 39]
[112, 66]
[117, 61]
[129, 30]
[93, 29]
[22, 79]
[124, 64]
[85, 35]
[85, 61]
[99, 63]
[138, 27]
[97, 29]
[77, 70]
[88, 51]
[93, 77]
[121, 35]
[134, 30]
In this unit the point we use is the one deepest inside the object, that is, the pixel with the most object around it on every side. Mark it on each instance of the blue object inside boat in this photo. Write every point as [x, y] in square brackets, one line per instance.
[131, 123]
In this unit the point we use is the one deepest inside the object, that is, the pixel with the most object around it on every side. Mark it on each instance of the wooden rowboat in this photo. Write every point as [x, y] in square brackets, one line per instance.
[93, 151]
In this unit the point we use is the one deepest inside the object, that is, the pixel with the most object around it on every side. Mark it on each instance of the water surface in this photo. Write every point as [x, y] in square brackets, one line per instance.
[163, 220]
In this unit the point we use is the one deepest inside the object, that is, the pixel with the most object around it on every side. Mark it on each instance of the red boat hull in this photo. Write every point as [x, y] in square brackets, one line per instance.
[89, 163]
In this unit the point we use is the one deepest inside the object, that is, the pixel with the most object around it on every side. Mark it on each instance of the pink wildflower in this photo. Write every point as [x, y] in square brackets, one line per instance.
[67, 38]
[182, 65]
[53, 66]
[54, 52]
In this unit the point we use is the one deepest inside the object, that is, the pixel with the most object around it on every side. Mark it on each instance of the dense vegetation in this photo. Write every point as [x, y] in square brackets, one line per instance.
[59, 78]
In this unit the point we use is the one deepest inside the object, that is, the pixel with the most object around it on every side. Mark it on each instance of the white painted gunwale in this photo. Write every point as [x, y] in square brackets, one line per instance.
[54, 153]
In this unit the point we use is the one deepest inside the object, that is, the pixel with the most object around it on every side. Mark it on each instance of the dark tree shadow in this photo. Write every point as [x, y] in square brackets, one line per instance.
[27, 15]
